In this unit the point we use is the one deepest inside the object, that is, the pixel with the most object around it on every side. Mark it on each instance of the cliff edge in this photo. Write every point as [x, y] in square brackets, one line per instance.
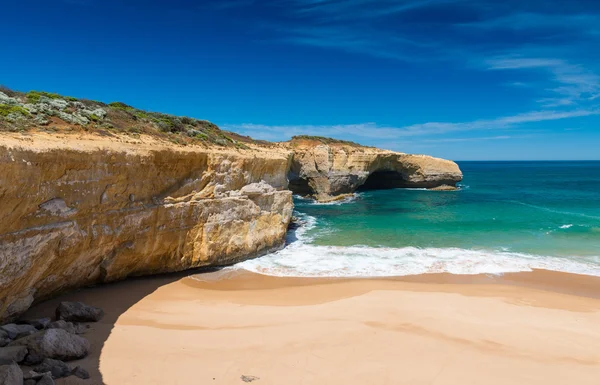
[93, 192]
[327, 169]
[78, 211]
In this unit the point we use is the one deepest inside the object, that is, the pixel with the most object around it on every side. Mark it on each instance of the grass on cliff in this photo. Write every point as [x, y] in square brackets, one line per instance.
[55, 113]
[118, 117]
[322, 139]
[6, 110]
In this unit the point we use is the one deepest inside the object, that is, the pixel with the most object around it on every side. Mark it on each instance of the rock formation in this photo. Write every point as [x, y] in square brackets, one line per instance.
[329, 169]
[82, 211]
[47, 349]
[93, 192]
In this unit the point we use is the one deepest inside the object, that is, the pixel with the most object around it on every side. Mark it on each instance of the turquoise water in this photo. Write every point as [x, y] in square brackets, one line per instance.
[508, 216]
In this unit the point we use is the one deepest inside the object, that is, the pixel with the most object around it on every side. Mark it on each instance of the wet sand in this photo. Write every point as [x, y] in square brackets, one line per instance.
[524, 328]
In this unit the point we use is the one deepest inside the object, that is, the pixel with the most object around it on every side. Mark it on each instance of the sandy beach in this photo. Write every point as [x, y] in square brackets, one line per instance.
[526, 328]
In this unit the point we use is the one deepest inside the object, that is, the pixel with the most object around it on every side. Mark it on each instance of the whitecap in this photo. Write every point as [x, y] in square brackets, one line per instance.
[300, 259]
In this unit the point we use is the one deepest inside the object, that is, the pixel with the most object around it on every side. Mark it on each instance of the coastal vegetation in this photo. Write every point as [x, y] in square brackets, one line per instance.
[47, 111]
[322, 139]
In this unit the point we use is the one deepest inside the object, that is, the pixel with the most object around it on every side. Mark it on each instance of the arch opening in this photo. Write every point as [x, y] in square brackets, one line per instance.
[300, 186]
[384, 180]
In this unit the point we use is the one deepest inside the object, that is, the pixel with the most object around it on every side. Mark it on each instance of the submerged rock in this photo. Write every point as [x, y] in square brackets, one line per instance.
[444, 188]
[78, 312]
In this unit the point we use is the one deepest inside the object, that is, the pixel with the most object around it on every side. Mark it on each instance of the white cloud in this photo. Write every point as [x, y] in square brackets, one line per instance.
[575, 83]
[374, 131]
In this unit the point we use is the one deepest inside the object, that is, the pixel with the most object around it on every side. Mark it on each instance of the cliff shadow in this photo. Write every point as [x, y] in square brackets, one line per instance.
[384, 180]
[115, 299]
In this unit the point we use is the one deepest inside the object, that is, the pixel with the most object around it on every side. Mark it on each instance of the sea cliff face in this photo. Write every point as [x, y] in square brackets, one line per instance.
[78, 211]
[328, 170]
[82, 209]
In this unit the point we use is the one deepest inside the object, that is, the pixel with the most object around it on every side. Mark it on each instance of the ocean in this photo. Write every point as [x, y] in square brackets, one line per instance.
[506, 217]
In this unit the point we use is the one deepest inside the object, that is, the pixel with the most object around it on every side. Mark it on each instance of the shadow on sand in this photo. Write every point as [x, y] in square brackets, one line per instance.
[115, 299]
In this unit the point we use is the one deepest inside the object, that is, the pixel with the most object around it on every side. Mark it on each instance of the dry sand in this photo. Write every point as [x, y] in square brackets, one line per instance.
[527, 328]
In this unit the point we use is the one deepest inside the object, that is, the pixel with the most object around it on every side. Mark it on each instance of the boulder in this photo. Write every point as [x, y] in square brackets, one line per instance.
[67, 326]
[81, 373]
[11, 374]
[4, 339]
[78, 312]
[55, 343]
[32, 358]
[39, 324]
[46, 380]
[57, 368]
[9, 330]
[11, 354]
[30, 382]
[18, 331]
[33, 375]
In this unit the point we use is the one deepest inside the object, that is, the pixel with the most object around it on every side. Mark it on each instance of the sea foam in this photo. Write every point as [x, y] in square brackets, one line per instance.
[300, 258]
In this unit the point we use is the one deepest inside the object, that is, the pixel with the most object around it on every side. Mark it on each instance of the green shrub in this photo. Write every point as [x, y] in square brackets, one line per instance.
[120, 106]
[188, 121]
[5, 110]
[34, 96]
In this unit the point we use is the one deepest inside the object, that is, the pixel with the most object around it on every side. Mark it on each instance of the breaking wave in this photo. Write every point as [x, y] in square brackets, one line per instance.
[300, 258]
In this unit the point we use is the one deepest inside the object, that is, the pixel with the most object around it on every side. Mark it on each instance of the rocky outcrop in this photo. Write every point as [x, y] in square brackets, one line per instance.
[81, 210]
[327, 171]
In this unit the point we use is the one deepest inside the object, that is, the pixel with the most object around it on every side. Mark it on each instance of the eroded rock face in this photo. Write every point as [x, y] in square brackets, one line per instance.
[75, 212]
[327, 171]
[78, 210]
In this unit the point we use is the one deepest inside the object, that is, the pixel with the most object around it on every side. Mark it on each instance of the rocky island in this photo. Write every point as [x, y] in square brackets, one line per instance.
[93, 192]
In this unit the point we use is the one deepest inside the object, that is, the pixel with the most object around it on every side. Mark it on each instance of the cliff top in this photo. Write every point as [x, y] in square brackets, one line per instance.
[49, 113]
[312, 140]
[56, 114]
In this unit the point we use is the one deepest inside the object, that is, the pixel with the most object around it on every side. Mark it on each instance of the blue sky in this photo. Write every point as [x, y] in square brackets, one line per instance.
[453, 78]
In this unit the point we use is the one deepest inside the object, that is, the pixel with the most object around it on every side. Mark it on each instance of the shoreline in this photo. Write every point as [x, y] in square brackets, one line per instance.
[215, 327]
[559, 282]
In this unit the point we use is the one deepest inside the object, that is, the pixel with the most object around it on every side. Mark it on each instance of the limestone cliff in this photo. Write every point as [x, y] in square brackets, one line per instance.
[76, 211]
[93, 192]
[327, 169]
